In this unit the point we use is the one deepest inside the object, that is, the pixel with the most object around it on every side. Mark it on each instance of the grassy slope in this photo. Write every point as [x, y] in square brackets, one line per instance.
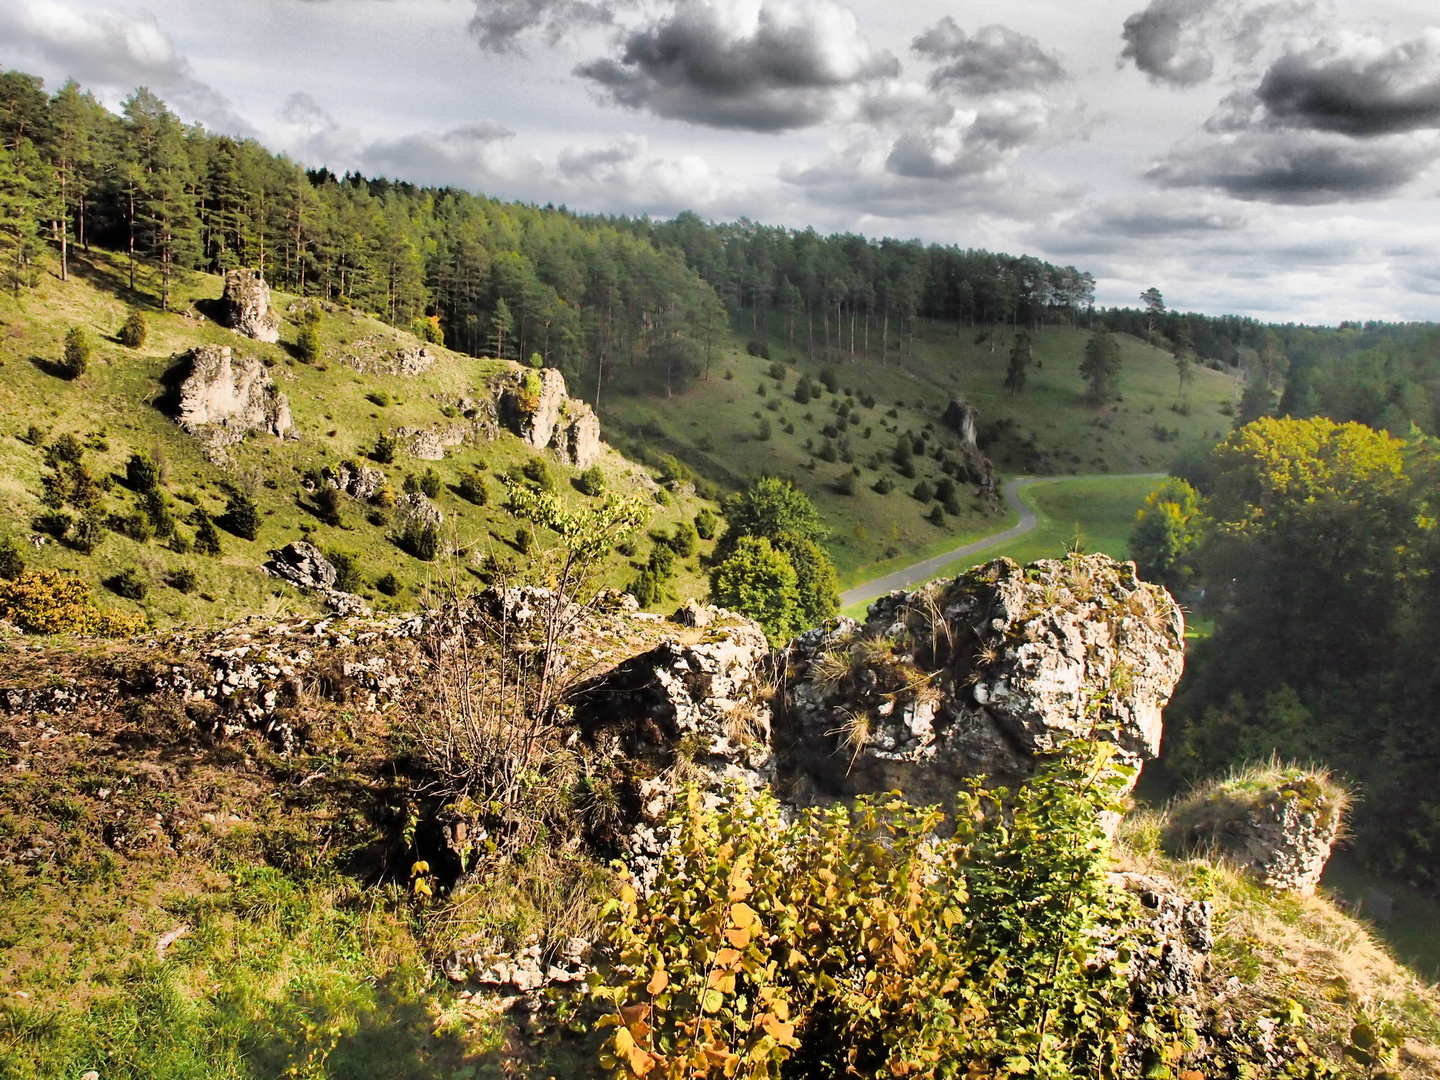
[115, 401]
[712, 426]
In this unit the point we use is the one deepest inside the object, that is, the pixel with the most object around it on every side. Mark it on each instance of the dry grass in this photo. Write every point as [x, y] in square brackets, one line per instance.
[1199, 818]
[1283, 946]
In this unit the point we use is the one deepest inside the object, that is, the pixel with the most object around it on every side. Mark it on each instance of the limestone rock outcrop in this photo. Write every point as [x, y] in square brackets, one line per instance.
[1278, 829]
[303, 565]
[533, 404]
[356, 480]
[247, 306]
[982, 676]
[226, 395]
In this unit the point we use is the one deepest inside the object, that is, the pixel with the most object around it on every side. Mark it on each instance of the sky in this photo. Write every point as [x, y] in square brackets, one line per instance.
[1273, 158]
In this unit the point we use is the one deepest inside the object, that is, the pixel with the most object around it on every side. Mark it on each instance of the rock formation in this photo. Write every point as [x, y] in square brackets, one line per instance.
[247, 306]
[982, 675]
[1279, 829]
[357, 481]
[303, 565]
[533, 404]
[226, 395]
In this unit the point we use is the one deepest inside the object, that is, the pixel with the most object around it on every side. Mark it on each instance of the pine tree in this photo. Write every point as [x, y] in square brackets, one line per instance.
[20, 207]
[164, 210]
[1018, 371]
[1101, 365]
[73, 118]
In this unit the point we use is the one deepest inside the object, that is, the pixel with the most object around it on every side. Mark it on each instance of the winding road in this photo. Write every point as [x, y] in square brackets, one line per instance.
[928, 568]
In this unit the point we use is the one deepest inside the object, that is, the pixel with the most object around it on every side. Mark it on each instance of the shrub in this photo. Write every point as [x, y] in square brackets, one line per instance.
[347, 569]
[182, 580]
[883, 486]
[762, 430]
[801, 392]
[686, 540]
[923, 492]
[12, 565]
[524, 540]
[472, 487]
[241, 516]
[141, 473]
[420, 539]
[936, 516]
[777, 371]
[328, 504]
[430, 483]
[66, 449]
[706, 523]
[591, 482]
[662, 560]
[844, 484]
[760, 581]
[385, 448]
[157, 513]
[388, 584]
[207, 538]
[89, 531]
[134, 332]
[378, 397]
[829, 380]
[129, 584]
[645, 588]
[854, 940]
[307, 343]
[537, 471]
[77, 353]
[48, 602]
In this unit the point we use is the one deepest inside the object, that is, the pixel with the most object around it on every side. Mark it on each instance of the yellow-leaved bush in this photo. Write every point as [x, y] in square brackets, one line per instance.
[49, 602]
[853, 940]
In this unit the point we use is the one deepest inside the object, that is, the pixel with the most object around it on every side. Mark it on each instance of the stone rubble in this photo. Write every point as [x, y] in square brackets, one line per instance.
[302, 565]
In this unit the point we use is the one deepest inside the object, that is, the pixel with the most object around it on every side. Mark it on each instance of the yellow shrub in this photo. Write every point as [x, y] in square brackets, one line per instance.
[49, 602]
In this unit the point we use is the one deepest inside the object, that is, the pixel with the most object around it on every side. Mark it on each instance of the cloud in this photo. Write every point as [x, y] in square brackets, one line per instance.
[499, 25]
[1167, 42]
[1297, 167]
[1356, 86]
[762, 65]
[995, 59]
[113, 51]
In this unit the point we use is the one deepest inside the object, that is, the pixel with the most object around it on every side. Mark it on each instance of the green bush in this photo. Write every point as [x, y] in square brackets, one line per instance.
[537, 471]
[829, 380]
[378, 397]
[12, 565]
[471, 486]
[77, 353]
[388, 584]
[591, 482]
[134, 332]
[347, 569]
[645, 588]
[923, 492]
[777, 371]
[385, 448]
[128, 583]
[759, 581]
[242, 516]
[182, 580]
[662, 560]
[430, 483]
[141, 473]
[854, 941]
[706, 523]
[207, 537]
[420, 539]
[157, 513]
[307, 343]
[524, 540]
[686, 540]
[328, 506]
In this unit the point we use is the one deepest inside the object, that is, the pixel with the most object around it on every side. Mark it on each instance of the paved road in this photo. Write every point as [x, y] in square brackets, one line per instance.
[928, 568]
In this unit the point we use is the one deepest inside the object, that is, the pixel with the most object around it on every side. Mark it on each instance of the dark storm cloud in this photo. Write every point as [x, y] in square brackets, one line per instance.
[1302, 168]
[995, 59]
[498, 25]
[1166, 42]
[1356, 89]
[791, 66]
